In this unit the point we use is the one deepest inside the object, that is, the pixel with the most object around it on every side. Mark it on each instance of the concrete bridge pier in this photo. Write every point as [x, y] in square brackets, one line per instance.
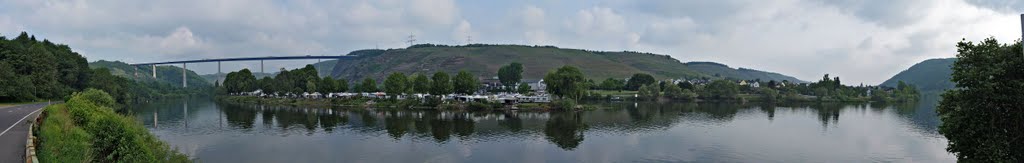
[261, 67]
[184, 81]
[154, 71]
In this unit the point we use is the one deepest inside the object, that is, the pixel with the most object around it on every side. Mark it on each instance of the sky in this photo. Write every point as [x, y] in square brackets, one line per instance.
[861, 41]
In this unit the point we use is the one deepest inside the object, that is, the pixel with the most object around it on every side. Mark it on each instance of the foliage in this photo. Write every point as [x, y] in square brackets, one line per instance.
[241, 81]
[650, 92]
[565, 82]
[673, 92]
[368, 85]
[612, 84]
[32, 69]
[420, 84]
[84, 129]
[523, 88]
[637, 80]
[510, 74]
[465, 83]
[982, 118]
[395, 84]
[721, 89]
[440, 84]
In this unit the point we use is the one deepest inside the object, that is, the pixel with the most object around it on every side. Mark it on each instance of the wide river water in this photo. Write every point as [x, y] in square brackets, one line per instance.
[621, 132]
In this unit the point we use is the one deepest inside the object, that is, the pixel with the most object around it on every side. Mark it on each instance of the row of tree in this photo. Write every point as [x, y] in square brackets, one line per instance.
[306, 80]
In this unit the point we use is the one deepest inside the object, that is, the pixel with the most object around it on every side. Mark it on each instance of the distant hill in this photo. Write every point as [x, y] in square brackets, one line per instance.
[929, 75]
[721, 70]
[165, 74]
[484, 61]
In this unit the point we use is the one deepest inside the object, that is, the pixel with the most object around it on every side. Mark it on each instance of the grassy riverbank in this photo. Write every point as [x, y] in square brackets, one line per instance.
[86, 129]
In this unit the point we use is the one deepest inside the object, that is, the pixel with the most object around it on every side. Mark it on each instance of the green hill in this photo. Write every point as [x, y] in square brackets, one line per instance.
[928, 76]
[721, 70]
[165, 74]
[484, 61]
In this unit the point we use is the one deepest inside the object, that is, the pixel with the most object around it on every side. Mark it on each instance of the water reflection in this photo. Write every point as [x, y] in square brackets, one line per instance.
[569, 131]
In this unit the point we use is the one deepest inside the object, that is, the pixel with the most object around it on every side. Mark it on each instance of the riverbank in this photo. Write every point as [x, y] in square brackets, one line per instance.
[86, 129]
[364, 102]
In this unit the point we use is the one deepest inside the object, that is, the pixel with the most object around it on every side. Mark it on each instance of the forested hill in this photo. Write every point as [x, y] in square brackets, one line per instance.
[722, 70]
[484, 61]
[928, 76]
[164, 74]
[31, 69]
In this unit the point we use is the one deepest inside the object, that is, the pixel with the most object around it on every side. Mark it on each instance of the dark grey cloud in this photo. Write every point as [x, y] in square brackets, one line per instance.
[1007, 6]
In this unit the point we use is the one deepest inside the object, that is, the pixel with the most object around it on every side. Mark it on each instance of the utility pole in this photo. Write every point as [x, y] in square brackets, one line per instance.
[1022, 31]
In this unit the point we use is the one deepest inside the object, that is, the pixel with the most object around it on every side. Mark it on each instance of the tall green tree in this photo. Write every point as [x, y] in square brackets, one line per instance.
[327, 85]
[983, 118]
[341, 85]
[440, 84]
[368, 85]
[395, 84]
[566, 82]
[510, 74]
[465, 83]
[420, 84]
[638, 80]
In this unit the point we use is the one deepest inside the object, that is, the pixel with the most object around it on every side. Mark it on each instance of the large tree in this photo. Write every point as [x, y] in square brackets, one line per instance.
[984, 117]
[639, 79]
[420, 84]
[441, 84]
[395, 84]
[465, 83]
[368, 85]
[510, 74]
[566, 82]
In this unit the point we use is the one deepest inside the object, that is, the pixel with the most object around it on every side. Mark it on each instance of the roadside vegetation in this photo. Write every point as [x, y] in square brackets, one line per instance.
[87, 129]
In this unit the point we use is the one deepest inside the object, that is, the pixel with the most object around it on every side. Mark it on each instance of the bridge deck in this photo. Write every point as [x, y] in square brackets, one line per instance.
[246, 59]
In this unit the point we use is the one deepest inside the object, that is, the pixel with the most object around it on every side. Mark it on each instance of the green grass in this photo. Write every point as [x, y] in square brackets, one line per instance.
[86, 129]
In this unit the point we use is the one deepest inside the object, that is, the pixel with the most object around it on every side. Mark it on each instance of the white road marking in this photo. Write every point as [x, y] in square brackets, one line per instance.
[19, 121]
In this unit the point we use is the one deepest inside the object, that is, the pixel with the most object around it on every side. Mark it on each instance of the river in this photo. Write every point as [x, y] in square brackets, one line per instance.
[623, 132]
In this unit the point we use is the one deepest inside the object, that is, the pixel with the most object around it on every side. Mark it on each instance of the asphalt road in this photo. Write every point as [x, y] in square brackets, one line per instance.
[14, 122]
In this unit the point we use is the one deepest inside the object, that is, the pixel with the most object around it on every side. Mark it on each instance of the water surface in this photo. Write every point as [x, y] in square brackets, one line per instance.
[625, 132]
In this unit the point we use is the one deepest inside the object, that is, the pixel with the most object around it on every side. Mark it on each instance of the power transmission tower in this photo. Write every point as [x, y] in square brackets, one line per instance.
[411, 40]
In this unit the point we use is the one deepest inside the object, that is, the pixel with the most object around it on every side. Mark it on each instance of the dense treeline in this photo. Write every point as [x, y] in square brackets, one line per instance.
[31, 69]
[298, 81]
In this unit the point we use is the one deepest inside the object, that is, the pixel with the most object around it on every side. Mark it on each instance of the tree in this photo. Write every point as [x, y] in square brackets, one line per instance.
[368, 85]
[565, 82]
[240, 81]
[342, 85]
[441, 84]
[674, 92]
[649, 92]
[722, 89]
[612, 84]
[327, 85]
[420, 84]
[510, 74]
[685, 85]
[465, 83]
[395, 84]
[523, 88]
[982, 118]
[638, 80]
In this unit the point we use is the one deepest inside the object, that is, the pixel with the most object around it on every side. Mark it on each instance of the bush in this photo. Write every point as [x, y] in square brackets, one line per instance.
[566, 104]
[87, 129]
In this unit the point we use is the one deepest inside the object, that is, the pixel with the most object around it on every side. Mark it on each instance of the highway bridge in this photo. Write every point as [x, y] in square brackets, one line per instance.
[184, 81]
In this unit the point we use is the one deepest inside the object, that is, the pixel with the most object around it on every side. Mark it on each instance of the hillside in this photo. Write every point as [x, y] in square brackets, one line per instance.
[929, 75]
[721, 70]
[165, 74]
[484, 60]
